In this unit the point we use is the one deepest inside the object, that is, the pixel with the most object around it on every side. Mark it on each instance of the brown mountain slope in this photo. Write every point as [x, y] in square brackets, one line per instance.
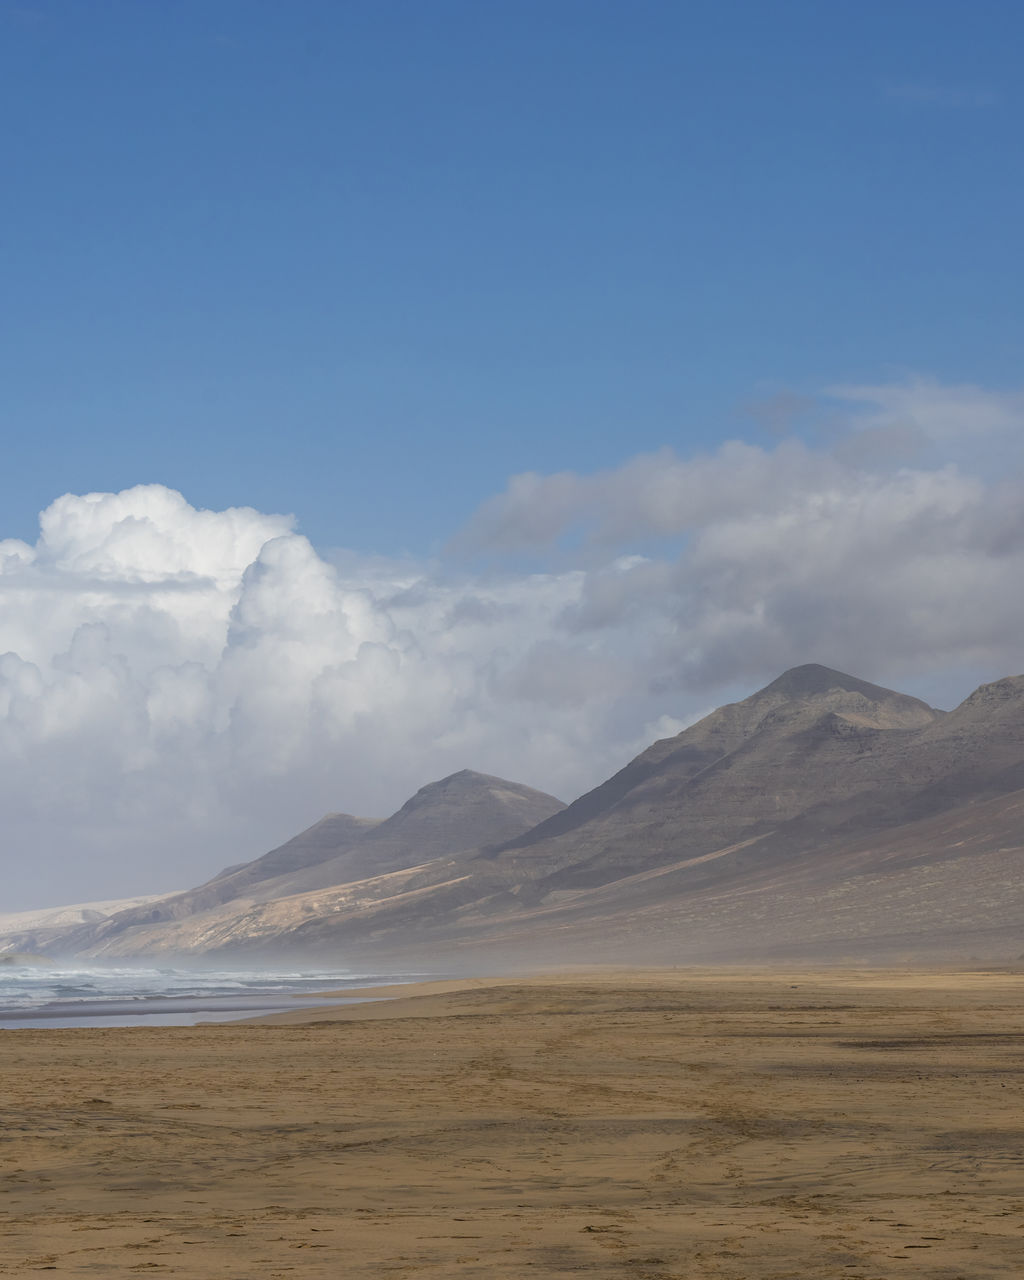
[743, 770]
[947, 886]
[775, 822]
[464, 811]
[258, 880]
[795, 774]
[460, 812]
[803, 693]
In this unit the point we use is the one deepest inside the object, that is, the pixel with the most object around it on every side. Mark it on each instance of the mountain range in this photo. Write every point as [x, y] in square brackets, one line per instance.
[822, 815]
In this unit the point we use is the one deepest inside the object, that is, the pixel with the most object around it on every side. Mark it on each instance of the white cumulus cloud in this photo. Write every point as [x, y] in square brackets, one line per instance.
[181, 688]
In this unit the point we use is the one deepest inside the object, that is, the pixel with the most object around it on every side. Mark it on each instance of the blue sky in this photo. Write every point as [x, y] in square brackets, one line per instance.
[389, 388]
[363, 261]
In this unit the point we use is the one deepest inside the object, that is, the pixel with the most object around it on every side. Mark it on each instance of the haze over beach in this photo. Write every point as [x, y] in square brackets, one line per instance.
[511, 713]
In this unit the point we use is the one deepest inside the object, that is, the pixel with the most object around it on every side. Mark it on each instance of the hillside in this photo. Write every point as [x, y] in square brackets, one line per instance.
[822, 813]
[462, 812]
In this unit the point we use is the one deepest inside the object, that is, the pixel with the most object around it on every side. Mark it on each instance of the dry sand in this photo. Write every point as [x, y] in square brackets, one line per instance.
[676, 1124]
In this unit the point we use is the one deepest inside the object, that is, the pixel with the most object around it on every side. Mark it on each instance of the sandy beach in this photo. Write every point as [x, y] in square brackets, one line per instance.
[655, 1125]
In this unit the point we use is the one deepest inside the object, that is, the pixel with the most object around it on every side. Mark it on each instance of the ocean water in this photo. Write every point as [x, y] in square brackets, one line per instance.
[63, 995]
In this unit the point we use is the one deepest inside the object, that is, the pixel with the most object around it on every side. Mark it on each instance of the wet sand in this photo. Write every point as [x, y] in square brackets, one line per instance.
[652, 1125]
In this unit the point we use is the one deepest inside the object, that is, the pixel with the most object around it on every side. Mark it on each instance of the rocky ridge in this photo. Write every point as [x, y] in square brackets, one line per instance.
[820, 812]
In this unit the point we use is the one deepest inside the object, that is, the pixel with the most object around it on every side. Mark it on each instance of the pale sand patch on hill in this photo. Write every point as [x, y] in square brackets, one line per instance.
[654, 1125]
[69, 916]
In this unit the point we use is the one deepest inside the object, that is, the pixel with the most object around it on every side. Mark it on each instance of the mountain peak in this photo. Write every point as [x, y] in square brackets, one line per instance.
[812, 678]
[464, 810]
[1009, 689]
[465, 781]
[470, 777]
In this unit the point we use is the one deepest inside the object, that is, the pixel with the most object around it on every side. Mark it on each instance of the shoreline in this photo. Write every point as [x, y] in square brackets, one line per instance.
[88, 998]
[162, 1011]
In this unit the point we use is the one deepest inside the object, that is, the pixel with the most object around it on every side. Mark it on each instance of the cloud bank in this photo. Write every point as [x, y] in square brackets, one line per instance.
[181, 689]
